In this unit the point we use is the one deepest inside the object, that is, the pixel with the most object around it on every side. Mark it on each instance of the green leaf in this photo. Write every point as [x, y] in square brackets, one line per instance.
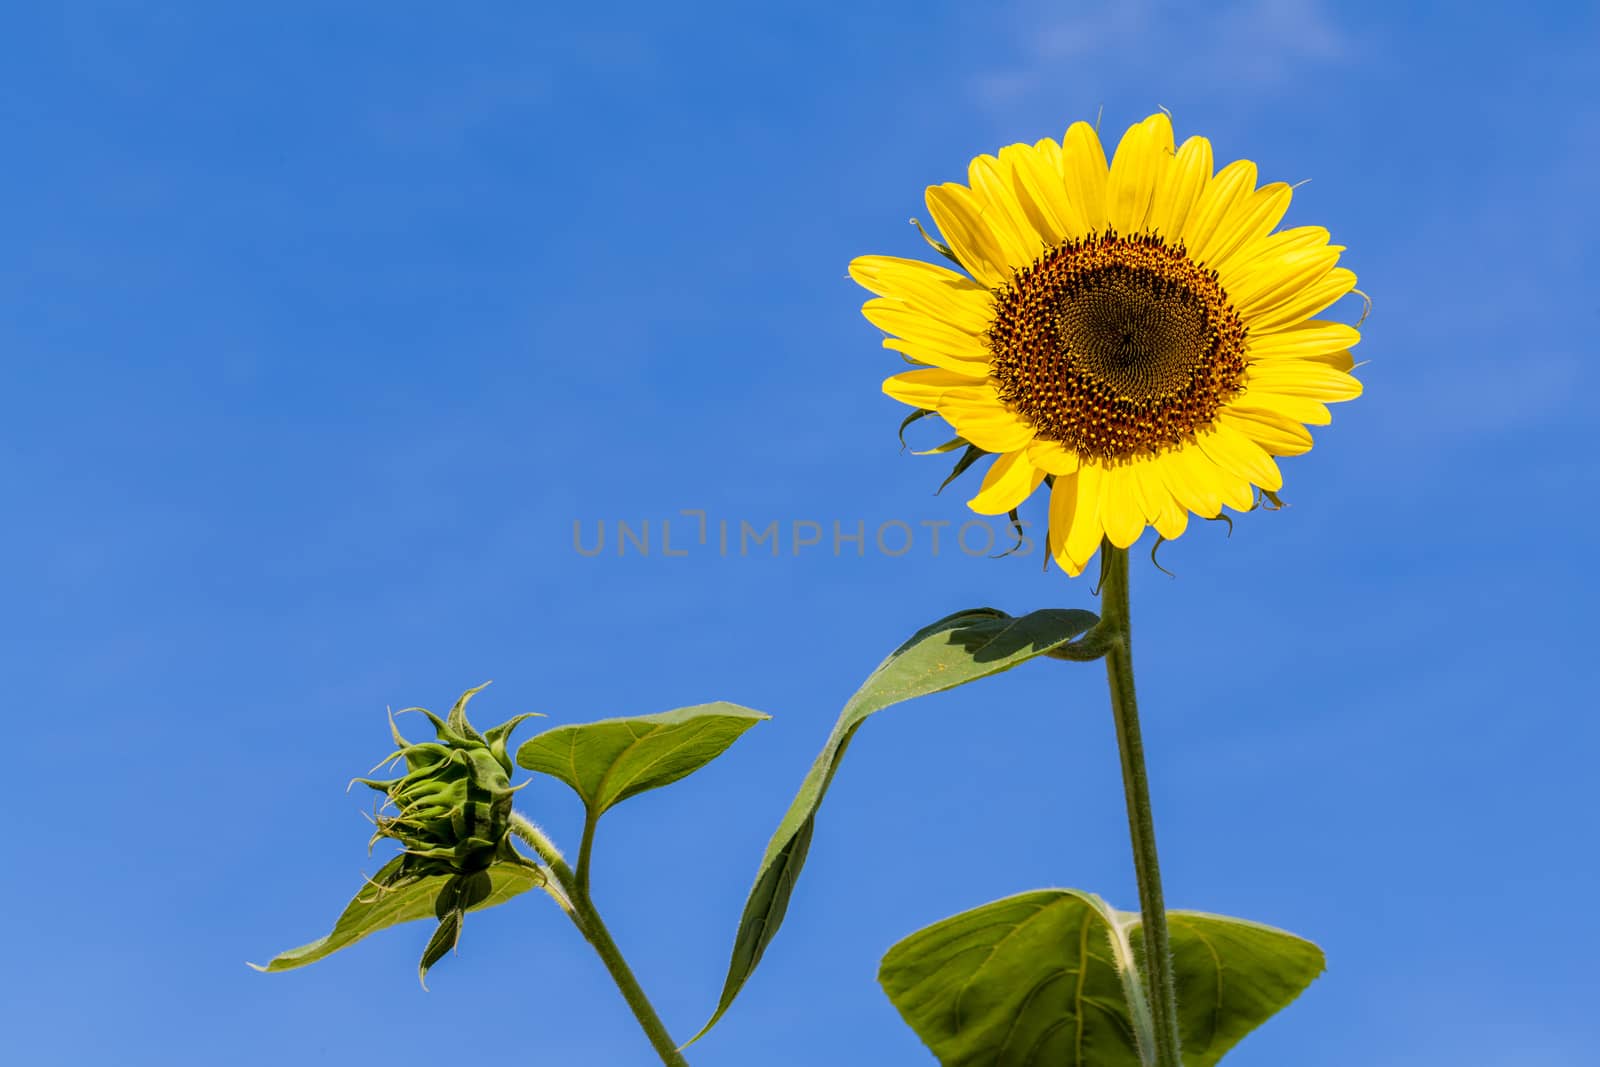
[1233, 975]
[374, 909]
[459, 895]
[1031, 979]
[1049, 978]
[440, 945]
[608, 761]
[962, 648]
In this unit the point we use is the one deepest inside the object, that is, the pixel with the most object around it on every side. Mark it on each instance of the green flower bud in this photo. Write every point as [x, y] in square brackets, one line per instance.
[451, 813]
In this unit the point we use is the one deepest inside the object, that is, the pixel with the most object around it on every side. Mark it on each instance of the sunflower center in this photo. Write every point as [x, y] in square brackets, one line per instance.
[1116, 346]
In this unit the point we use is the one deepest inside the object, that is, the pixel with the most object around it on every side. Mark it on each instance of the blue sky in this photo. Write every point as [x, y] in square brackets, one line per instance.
[324, 325]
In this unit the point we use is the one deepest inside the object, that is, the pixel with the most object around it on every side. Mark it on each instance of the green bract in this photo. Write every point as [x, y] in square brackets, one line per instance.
[451, 813]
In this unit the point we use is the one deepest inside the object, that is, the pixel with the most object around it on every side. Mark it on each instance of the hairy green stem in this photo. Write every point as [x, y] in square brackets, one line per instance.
[1160, 986]
[557, 875]
[611, 956]
[529, 831]
[589, 924]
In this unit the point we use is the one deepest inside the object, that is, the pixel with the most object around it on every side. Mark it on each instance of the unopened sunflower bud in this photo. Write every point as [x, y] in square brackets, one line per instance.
[451, 813]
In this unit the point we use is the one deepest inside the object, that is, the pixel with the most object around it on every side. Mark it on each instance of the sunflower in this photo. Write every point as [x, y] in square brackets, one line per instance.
[1136, 335]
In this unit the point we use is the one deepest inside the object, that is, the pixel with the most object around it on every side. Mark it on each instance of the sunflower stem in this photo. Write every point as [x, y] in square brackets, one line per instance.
[1160, 985]
[600, 938]
[589, 924]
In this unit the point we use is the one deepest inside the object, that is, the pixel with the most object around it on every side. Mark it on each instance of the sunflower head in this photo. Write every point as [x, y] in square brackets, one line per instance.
[452, 806]
[1138, 334]
[451, 814]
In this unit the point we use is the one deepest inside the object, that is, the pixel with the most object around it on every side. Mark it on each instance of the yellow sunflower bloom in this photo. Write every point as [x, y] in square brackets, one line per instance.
[1136, 332]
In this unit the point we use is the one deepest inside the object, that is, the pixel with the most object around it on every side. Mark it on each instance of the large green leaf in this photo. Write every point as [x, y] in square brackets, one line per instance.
[1233, 975]
[608, 761]
[953, 651]
[1049, 979]
[374, 909]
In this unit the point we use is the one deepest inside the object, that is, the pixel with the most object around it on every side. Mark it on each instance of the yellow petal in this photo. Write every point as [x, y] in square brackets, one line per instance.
[999, 208]
[1010, 480]
[1035, 177]
[1240, 456]
[1288, 276]
[1139, 166]
[1305, 302]
[1075, 529]
[962, 360]
[1298, 408]
[1192, 480]
[925, 339]
[923, 388]
[1174, 519]
[1304, 340]
[1119, 506]
[1051, 458]
[942, 294]
[1302, 377]
[1180, 187]
[1151, 496]
[1250, 220]
[1279, 436]
[1214, 483]
[1232, 185]
[967, 234]
[1263, 253]
[1084, 172]
[1340, 361]
[1052, 185]
[985, 422]
[1236, 492]
[1063, 509]
[1083, 540]
[903, 320]
[1161, 510]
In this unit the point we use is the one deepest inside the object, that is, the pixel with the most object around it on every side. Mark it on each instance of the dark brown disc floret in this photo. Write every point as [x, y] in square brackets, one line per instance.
[1116, 346]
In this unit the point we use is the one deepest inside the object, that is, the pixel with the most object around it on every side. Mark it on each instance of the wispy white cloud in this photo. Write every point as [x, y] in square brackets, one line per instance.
[1252, 43]
[1094, 29]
